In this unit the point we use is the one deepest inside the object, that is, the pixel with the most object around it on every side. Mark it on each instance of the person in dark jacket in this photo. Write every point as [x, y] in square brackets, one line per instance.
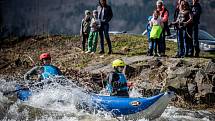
[116, 80]
[85, 28]
[45, 70]
[105, 15]
[196, 11]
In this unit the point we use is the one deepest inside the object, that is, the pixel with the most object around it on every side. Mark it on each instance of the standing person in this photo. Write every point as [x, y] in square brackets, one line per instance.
[116, 80]
[183, 24]
[157, 25]
[105, 15]
[165, 18]
[94, 32]
[148, 30]
[196, 11]
[45, 70]
[177, 9]
[85, 28]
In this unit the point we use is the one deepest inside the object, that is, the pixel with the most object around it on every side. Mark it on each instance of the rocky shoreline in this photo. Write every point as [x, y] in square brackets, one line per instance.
[192, 78]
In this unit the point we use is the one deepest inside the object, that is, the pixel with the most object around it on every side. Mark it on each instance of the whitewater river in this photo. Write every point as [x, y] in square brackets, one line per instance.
[59, 103]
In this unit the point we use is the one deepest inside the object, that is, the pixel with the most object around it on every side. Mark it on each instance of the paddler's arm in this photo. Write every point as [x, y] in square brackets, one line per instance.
[108, 81]
[34, 71]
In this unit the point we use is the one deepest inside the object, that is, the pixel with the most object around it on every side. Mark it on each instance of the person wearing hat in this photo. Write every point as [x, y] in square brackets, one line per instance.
[85, 28]
[164, 13]
[45, 70]
[116, 80]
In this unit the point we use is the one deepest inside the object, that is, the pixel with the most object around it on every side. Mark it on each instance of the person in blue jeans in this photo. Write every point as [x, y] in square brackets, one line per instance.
[184, 31]
[157, 26]
[164, 13]
[105, 15]
[196, 11]
[148, 30]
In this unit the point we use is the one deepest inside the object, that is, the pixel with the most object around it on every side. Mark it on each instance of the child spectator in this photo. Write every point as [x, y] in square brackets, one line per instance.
[94, 32]
[155, 34]
[85, 28]
[148, 30]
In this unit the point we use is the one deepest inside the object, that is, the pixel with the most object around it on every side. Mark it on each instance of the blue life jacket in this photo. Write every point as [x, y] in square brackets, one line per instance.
[119, 85]
[49, 71]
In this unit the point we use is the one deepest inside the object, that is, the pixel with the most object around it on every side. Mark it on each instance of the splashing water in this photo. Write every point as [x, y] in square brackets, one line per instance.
[65, 102]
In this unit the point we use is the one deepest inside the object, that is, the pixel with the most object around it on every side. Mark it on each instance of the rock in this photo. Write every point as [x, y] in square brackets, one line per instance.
[192, 88]
[210, 68]
[155, 63]
[202, 78]
[176, 82]
[131, 71]
[204, 89]
[182, 72]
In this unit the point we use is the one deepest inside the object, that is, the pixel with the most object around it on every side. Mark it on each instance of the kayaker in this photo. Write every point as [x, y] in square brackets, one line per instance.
[45, 70]
[116, 80]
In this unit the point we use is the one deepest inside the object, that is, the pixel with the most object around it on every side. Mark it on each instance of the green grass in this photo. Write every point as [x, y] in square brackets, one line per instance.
[66, 50]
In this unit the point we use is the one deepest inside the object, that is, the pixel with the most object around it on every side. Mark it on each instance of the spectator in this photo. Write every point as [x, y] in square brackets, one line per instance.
[156, 24]
[85, 28]
[105, 15]
[183, 24]
[94, 32]
[148, 30]
[177, 9]
[165, 17]
[196, 11]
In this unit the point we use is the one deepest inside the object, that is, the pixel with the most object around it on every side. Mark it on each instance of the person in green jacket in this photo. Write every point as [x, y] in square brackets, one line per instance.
[94, 32]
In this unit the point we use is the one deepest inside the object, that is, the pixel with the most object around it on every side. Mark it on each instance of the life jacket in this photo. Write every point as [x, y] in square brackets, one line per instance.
[118, 85]
[50, 70]
[156, 32]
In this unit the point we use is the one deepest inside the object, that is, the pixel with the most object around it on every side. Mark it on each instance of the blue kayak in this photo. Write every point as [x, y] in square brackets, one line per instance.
[132, 108]
[123, 106]
[23, 94]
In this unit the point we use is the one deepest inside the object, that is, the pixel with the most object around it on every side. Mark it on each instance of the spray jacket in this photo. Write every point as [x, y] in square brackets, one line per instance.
[43, 72]
[117, 82]
[50, 70]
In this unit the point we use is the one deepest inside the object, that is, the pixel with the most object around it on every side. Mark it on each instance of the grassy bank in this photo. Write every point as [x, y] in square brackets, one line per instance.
[67, 53]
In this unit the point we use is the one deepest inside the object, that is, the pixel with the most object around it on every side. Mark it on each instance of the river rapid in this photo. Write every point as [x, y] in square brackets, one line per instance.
[64, 102]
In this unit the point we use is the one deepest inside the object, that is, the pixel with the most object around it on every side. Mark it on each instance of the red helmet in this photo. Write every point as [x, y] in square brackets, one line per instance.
[45, 56]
